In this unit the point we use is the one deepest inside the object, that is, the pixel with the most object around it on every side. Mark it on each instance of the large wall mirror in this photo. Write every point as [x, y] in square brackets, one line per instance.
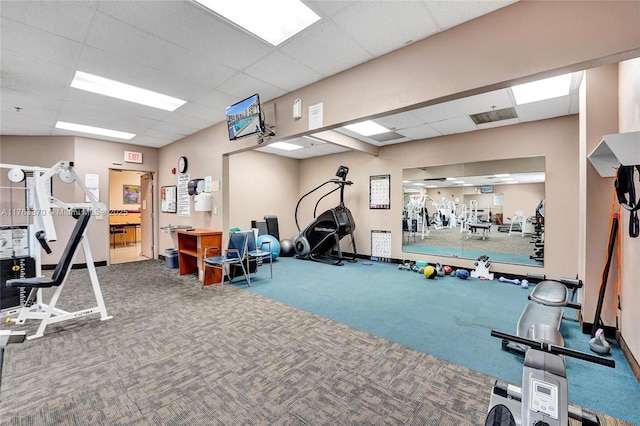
[469, 210]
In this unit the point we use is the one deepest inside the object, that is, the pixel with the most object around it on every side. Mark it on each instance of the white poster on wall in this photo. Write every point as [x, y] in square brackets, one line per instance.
[315, 116]
[184, 206]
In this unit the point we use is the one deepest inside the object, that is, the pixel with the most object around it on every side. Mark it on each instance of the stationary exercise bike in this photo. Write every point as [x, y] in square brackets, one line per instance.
[543, 398]
[322, 237]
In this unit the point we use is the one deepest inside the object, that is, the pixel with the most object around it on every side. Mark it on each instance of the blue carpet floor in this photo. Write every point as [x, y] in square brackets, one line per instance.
[447, 317]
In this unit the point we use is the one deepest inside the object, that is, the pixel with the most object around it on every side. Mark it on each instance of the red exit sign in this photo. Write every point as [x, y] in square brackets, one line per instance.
[132, 157]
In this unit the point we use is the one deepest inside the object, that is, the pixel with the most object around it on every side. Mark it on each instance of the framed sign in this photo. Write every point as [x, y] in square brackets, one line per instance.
[131, 194]
[380, 192]
[169, 199]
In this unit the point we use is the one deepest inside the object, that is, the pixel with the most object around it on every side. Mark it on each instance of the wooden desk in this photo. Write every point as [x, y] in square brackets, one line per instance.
[191, 245]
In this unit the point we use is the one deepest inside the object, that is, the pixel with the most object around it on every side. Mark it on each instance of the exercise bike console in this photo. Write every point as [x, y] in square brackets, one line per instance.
[543, 398]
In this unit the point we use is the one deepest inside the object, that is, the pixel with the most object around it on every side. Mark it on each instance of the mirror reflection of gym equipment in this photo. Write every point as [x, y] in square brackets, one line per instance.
[493, 208]
[130, 237]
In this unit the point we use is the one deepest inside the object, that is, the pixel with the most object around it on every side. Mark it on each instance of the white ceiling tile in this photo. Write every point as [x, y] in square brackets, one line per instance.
[439, 112]
[544, 109]
[189, 121]
[22, 73]
[152, 142]
[402, 120]
[9, 99]
[283, 72]
[327, 9]
[201, 112]
[404, 21]
[423, 131]
[46, 47]
[242, 85]
[184, 83]
[326, 40]
[455, 125]
[192, 27]
[495, 100]
[69, 19]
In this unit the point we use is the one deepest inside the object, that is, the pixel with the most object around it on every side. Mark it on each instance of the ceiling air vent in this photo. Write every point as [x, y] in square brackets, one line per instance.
[495, 115]
[386, 136]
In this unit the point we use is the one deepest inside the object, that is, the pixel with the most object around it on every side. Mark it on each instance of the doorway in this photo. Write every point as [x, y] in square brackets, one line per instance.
[130, 216]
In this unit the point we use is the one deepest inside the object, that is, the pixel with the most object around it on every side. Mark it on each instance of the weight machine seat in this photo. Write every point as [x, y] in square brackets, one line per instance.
[541, 322]
[63, 266]
[550, 293]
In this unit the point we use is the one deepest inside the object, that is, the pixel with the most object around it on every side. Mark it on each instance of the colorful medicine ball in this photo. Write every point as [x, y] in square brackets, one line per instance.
[429, 272]
[447, 270]
[463, 274]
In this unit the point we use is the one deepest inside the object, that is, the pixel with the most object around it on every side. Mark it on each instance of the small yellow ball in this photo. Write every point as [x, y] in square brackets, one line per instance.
[429, 271]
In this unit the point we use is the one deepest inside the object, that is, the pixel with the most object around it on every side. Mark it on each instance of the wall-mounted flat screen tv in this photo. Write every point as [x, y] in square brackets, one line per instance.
[245, 118]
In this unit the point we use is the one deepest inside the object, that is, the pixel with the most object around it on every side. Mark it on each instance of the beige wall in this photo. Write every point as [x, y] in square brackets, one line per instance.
[601, 117]
[629, 107]
[262, 184]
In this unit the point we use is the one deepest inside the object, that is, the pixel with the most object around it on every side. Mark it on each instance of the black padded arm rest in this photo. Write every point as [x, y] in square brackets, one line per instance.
[65, 260]
[39, 282]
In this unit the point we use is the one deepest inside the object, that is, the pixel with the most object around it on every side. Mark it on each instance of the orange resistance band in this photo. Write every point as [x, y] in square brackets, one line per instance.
[614, 212]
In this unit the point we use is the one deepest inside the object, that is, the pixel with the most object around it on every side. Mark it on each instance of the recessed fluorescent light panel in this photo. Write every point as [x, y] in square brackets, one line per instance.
[94, 130]
[367, 128]
[284, 146]
[272, 21]
[540, 90]
[126, 92]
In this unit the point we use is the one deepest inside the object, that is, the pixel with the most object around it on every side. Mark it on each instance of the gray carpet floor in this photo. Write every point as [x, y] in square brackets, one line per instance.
[175, 354]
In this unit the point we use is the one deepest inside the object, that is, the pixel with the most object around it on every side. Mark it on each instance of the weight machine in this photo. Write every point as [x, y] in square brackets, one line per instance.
[416, 217]
[43, 231]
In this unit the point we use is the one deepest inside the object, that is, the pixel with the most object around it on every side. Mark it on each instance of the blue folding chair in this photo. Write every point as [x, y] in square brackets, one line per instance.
[235, 254]
[259, 253]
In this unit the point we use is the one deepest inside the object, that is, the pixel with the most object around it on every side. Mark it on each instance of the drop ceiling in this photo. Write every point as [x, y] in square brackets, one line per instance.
[180, 49]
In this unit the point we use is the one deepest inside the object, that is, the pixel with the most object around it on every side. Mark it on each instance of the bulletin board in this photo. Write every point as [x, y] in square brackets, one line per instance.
[169, 199]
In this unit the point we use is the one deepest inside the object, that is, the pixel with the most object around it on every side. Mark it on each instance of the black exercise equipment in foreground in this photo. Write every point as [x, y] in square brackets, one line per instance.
[543, 398]
[322, 237]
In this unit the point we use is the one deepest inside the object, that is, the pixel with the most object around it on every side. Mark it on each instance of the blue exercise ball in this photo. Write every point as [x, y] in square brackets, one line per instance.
[275, 245]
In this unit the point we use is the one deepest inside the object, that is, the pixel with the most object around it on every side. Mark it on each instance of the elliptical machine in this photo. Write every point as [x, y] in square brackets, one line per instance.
[319, 239]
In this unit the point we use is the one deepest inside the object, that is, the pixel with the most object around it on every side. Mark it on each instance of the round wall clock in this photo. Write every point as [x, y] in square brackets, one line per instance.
[182, 164]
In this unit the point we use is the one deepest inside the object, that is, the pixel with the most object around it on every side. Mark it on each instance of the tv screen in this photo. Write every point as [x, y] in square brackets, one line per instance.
[244, 118]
